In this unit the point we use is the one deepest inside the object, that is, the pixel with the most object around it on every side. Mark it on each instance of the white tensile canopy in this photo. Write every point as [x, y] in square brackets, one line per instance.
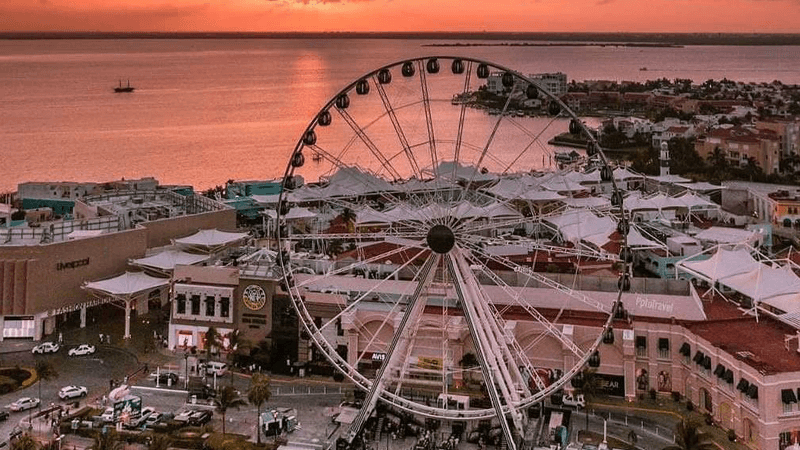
[126, 288]
[722, 264]
[726, 235]
[210, 240]
[765, 282]
[587, 202]
[701, 186]
[166, 261]
[295, 213]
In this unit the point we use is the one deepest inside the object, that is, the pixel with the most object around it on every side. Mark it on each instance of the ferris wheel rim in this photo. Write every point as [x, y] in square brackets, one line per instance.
[354, 375]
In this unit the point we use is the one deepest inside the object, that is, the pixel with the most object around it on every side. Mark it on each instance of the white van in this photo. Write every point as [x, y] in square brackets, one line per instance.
[214, 368]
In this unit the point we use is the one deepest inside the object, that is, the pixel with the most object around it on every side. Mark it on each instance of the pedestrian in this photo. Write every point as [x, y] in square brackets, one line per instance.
[60, 338]
[101, 338]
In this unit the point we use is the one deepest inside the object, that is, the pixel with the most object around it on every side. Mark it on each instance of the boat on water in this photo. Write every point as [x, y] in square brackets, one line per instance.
[122, 88]
[642, 68]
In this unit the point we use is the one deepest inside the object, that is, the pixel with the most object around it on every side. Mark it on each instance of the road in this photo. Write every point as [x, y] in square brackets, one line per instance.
[93, 371]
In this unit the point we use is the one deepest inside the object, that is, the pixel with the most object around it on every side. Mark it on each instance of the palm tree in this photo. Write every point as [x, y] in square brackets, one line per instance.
[25, 442]
[259, 394]
[106, 441]
[211, 341]
[236, 344]
[227, 398]
[689, 437]
[45, 371]
[349, 218]
[588, 384]
[159, 442]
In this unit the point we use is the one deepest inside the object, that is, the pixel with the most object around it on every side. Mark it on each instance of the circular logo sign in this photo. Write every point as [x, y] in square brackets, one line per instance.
[254, 297]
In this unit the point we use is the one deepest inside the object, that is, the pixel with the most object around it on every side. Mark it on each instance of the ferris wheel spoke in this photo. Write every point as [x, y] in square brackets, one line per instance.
[366, 180]
[359, 264]
[534, 140]
[461, 117]
[515, 295]
[534, 276]
[467, 293]
[376, 152]
[387, 105]
[489, 141]
[414, 308]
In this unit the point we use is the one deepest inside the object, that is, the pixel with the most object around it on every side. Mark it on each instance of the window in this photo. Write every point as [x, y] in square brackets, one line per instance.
[686, 351]
[180, 303]
[210, 307]
[641, 346]
[663, 348]
[788, 399]
[195, 305]
[224, 307]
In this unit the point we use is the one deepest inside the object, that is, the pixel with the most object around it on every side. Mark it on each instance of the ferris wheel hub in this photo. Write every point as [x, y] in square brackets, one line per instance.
[441, 239]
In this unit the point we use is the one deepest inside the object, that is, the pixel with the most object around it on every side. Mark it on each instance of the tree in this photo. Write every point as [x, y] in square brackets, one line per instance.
[689, 437]
[227, 398]
[106, 441]
[211, 341]
[349, 218]
[236, 345]
[159, 442]
[45, 371]
[468, 362]
[25, 442]
[258, 394]
[588, 384]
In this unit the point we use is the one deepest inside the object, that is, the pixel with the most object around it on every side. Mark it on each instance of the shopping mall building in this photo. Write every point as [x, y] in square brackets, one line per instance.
[44, 266]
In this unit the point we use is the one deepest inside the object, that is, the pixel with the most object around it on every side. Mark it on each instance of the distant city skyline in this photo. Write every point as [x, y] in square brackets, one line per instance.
[725, 16]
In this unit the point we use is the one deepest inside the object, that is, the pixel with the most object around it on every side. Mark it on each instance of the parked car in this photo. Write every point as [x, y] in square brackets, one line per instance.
[167, 378]
[24, 403]
[141, 419]
[46, 347]
[108, 415]
[81, 350]
[213, 368]
[575, 401]
[200, 417]
[3, 415]
[68, 392]
[154, 418]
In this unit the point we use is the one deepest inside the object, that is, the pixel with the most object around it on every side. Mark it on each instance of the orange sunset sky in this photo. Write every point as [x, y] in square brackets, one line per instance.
[736, 16]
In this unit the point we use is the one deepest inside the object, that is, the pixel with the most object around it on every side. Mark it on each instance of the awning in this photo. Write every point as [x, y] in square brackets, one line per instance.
[686, 349]
[728, 376]
[707, 363]
[743, 385]
[698, 357]
[719, 371]
[663, 344]
[787, 396]
[752, 391]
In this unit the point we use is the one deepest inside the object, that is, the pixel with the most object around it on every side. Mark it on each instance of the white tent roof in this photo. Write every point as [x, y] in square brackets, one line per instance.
[764, 282]
[211, 238]
[272, 199]
[724, 263]
[578, 225]
[128, 284]
[701, 186]
[670, 179]
[587, 202]
[725, 235]
[561, 184]
[368, 215]
[788, 303]
[538, 195]
[696, 202]
[167, 260]
[295, 212]
[464, 173]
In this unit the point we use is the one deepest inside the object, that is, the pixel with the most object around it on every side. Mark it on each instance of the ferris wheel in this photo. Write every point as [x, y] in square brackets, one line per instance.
[402, 257]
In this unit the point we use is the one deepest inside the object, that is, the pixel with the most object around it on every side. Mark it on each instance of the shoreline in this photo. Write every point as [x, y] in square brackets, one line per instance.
[559, 44]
